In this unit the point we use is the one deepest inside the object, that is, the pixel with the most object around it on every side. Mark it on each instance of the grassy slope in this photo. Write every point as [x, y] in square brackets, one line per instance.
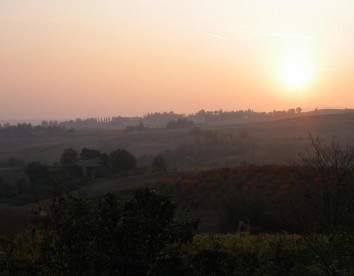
[207, 194]
[275, 141]
[14, 218]
[278, 141]
[210, 193]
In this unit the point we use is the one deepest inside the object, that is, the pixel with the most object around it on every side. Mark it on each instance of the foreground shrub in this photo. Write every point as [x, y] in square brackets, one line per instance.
[101, 236]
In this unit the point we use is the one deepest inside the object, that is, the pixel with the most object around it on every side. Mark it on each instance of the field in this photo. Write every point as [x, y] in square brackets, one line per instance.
[207, 194]
[48, 149]
[14, 218]
[218, 197]
[268, 142]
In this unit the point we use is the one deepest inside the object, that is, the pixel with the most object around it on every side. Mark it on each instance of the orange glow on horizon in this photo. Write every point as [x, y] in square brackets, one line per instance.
[64, 59]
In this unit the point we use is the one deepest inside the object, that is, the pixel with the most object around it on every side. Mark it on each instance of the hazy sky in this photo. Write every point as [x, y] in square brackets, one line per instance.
[83, 58]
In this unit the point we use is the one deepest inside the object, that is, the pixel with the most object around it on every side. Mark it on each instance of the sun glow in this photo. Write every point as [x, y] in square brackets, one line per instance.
[296, 69]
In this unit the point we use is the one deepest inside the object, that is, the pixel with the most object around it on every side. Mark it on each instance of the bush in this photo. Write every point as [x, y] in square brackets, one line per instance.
[101, 236]
[38, 174]
[122, 160]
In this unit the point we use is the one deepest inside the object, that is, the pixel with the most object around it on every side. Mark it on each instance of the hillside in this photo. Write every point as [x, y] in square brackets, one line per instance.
[258, 142]
[212, 195]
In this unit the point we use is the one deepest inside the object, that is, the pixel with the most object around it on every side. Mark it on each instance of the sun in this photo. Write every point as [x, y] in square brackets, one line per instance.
[296, 69]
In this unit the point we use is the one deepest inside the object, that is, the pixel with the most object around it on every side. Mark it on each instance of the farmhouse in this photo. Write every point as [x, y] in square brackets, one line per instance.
[90, 167]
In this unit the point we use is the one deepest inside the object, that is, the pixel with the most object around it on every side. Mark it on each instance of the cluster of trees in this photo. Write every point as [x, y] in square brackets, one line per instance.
[209, 116]
[119, 160]
[209, 149]
[70, 156]
[161, 119]
[27, 130]
[15, 185]
[140, 236]
[13, 181]
[180, 123]
[83, 123]
[157, 118]
[12, 163]
[102, 236]
[93, 163]
[138, 127]
[27, 182]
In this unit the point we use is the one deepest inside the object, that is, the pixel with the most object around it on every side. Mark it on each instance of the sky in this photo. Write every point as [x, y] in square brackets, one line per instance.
[87, 58]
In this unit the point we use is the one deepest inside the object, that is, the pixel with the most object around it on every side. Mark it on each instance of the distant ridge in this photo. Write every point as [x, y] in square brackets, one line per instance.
[329, 111]
[325, 111]
[19, 121]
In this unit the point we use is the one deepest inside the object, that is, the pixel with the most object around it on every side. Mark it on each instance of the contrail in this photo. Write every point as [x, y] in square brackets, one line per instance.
[305, 37]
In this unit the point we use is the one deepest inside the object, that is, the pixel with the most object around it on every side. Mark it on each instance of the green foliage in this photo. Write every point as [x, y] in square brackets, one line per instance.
[238, 208]
[265, 195]
[38, 174]
[27, 130]
[180, 123]
[69, 157]
[15, 186]
[12, 163]
[87, 154]
[279, 254]
[6, 190]
[102, 236]
[139, 127]
[233, 254]
[122, 160]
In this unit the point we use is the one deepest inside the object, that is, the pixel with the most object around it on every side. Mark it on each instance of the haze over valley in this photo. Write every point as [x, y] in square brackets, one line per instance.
[150, 137]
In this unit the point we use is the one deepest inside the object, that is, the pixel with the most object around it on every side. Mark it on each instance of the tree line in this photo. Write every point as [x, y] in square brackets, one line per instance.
[161, 119]
[27, 130]
[25, 182]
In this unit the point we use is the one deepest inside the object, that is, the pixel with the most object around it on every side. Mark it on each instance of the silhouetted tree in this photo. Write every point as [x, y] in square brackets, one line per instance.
[298, 110]
[102, 236]
[69, 169]
[180, 123]
[38, 174]
[13, 163]
[332, 191]
[87, 154]
[5, 188]
[122, 160]
[69, 157]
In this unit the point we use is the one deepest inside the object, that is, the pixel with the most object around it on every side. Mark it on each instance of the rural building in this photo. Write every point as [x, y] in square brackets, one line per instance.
[90, 167]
